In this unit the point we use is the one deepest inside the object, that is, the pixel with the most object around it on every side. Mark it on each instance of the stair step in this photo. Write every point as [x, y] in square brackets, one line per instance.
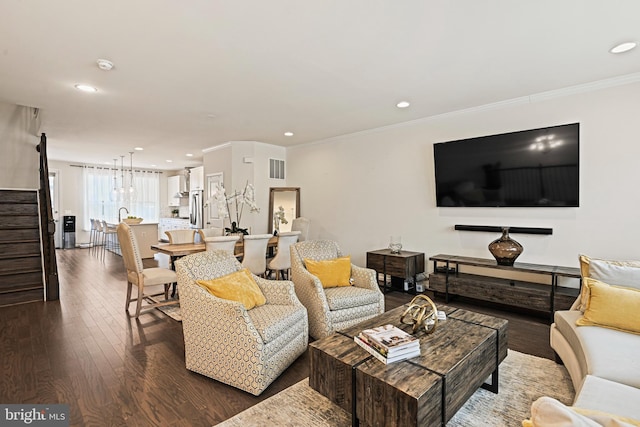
[10, 222]
[19, 250]
[20, 235]
[15, 280]
[18, 197]
[22, 297]
[20, 265]
[24, 209]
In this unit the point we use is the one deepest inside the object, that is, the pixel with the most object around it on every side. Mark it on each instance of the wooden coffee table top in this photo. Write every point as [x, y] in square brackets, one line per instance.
[455, 360]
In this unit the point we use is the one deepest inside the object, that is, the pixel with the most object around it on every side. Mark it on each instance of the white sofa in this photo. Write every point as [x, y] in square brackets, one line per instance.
[604, 363]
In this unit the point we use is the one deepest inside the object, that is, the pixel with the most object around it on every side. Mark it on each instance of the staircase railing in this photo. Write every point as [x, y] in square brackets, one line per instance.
[47, 226]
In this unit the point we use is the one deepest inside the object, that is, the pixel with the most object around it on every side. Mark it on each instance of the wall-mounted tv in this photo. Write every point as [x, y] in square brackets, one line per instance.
[530, 168]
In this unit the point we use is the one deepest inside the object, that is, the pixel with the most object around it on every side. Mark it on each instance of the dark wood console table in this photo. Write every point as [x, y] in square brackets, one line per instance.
[448, 280]
[400, 266]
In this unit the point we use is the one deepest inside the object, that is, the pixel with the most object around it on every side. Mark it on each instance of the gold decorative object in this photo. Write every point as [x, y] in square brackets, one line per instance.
[421, 314]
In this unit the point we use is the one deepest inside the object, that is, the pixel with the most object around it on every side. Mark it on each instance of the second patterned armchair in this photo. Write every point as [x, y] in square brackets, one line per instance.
[245, 348]
[333, 308]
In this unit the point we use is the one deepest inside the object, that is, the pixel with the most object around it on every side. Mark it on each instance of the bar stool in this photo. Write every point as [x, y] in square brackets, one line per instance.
[92, 234]
[108, 237]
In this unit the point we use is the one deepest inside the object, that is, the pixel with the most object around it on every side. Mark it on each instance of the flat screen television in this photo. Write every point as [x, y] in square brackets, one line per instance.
[530, 168]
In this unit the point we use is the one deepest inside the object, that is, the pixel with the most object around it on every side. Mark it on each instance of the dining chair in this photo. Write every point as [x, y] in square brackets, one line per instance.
[210, 232]
[225, 243]
[282, 261]
[255, 253]
[301, 224]
[178, 237]
[140, 276]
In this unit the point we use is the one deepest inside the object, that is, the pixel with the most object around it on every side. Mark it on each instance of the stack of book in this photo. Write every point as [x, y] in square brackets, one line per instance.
[388, 343]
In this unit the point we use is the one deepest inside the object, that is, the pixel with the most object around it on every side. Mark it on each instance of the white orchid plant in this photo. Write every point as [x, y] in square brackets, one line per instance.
[279, 218]
[238, 200]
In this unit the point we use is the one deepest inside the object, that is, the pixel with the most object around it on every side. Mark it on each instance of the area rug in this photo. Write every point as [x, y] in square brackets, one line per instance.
[523, 379]
[172, 310]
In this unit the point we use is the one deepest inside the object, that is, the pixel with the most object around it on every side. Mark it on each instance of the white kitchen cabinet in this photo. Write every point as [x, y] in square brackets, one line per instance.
[173, 187]
[196, 178]
[168, 224]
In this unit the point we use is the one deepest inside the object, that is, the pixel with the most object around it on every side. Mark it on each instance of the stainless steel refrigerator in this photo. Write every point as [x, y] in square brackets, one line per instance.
[196, 209]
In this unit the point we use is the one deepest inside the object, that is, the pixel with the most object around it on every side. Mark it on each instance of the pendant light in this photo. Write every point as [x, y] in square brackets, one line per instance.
[113, 196]
[132, 191]
[121, 195]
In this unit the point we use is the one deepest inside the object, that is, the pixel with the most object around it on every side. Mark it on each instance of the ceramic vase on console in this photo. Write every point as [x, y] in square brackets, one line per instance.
[395, 244]
[505, 250]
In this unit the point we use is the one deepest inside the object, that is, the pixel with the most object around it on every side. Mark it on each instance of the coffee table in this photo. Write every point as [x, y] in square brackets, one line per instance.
[457, 359]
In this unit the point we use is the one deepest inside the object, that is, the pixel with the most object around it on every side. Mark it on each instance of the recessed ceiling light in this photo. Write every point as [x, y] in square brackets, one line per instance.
[169, 161]
[85, 88]
[623, 47]
[105, 64]
[288, 134]
[153, 166]
[189, 155]
[403, 104]
[138, 148]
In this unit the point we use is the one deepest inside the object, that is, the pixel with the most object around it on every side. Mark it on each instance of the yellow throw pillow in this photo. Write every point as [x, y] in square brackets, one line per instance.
[612, 272]
[614, 307]
[239, 286]
[331, 272]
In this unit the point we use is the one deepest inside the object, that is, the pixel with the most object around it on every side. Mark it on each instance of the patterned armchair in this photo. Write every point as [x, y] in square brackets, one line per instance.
[246, 349]
[336, 308]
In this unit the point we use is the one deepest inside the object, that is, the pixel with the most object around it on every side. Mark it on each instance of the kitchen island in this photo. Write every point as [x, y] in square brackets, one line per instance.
[146, 235]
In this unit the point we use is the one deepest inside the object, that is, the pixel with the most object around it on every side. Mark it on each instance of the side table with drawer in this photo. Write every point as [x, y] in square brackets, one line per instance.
[400, 267]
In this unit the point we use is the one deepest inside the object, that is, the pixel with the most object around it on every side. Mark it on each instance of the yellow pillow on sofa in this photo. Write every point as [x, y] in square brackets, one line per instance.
[612, 272]
[331, 272]
[612, 307]
[238, 286]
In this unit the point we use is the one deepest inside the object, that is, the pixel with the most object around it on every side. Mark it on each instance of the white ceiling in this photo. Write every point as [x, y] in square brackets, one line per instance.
[194, 74]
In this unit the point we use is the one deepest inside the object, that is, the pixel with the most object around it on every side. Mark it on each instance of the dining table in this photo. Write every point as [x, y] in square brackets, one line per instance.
[178, 250]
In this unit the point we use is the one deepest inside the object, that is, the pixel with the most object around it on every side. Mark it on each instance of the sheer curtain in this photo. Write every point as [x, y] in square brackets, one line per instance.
[102, 202]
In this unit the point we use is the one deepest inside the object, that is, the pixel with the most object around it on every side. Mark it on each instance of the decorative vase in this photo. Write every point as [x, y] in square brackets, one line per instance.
[505, 250]
[395, 244]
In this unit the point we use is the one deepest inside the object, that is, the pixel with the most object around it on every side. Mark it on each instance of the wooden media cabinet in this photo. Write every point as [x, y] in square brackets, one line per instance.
[448, 280]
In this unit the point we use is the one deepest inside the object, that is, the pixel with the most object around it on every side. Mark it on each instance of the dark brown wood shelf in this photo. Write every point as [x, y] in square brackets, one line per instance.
[447, 279]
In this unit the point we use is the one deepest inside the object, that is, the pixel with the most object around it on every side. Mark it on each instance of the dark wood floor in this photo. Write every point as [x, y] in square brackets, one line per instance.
[114, 370]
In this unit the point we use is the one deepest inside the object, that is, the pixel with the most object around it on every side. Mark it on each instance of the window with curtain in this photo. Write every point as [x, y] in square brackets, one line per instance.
[102, 198]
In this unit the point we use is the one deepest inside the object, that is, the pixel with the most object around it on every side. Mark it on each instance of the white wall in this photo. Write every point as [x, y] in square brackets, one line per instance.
[245, 162]
[362, 188]
[19, 160]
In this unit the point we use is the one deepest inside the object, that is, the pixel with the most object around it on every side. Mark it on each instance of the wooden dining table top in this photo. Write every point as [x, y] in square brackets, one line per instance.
[182, 249]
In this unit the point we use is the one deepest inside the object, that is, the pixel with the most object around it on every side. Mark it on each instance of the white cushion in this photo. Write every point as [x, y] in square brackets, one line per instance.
[607, 396]
[613, 274]
[158, 276]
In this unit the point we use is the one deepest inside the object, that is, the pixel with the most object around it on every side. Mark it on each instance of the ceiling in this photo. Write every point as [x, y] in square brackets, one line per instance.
[195, 74]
